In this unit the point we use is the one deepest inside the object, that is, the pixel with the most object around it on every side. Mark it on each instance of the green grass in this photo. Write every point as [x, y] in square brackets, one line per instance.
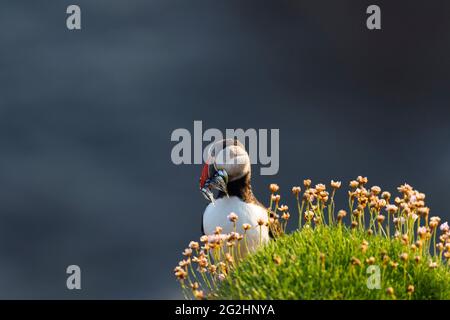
[301, 273]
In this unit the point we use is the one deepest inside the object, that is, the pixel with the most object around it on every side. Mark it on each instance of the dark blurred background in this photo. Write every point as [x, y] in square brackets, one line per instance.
[86, 117]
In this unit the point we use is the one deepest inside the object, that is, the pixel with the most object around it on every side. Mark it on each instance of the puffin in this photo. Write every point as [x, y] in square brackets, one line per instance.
[228, 171]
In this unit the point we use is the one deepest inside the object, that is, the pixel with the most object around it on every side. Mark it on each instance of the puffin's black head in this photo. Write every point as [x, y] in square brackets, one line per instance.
[227, 161]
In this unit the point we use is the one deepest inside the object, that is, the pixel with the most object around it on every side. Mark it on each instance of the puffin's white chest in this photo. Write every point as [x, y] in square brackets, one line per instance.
[216, 216]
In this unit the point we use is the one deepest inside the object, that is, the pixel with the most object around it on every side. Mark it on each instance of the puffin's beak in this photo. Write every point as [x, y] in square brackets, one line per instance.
[205, 184]
[218, 181]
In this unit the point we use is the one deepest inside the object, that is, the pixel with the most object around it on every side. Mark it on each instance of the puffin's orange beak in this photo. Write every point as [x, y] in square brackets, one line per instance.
[205, 186]
[204, 176]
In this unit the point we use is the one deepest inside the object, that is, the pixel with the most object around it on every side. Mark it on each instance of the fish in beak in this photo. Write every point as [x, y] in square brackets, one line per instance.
[207, 193]
[218, 181]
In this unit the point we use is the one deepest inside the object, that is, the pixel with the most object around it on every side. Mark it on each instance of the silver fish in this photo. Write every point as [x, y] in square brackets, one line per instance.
[207, 193]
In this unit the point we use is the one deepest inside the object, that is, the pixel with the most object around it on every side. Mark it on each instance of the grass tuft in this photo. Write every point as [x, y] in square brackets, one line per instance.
[392, 249]
[317, 264]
